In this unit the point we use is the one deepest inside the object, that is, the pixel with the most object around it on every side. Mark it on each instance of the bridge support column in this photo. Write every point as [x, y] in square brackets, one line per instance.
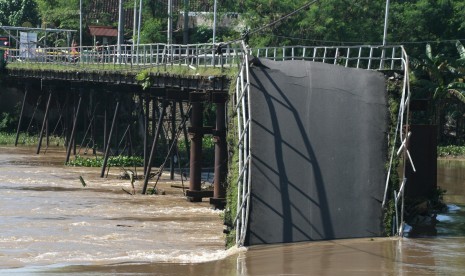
[44, 123]
[154, 146]
[173, 138]
[196, 132]
[26, 89]
[71, 141]
[108, 143]
[146, 131]
[221, 152]
[184, 130]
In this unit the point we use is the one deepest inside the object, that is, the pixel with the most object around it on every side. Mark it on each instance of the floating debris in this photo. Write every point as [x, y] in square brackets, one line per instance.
[82, 181]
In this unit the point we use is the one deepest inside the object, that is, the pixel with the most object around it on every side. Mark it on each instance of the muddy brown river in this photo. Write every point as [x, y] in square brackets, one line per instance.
[51, 224]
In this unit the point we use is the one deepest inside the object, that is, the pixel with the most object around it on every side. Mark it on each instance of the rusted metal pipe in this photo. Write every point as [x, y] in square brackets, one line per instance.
[173, 138]
[107, 149]
[146, 132]
[73, 131]
[196, 135]
[44, 123]
[154, 145]
[21, 115]
[184, 130]
[221, 152]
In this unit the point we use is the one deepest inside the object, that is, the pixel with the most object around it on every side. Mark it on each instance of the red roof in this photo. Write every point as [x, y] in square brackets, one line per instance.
[103, 31]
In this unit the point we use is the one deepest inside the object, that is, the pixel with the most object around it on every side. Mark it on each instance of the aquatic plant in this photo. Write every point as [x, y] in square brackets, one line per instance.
[113, 161]
[7, 138]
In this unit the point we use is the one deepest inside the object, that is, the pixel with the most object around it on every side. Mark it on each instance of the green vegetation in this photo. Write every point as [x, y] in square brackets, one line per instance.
[233, 175]
[7, 138]
[104, 68]
[394, 89]
[18, 13]
[113, 161]
[451, 151]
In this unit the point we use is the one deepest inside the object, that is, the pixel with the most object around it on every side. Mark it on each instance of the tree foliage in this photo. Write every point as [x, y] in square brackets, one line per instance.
[18, 12]
[59, 13]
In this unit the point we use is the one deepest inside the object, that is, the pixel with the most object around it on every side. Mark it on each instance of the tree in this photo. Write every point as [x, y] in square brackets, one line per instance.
[440, 80]
[60, 13]
[18, 12]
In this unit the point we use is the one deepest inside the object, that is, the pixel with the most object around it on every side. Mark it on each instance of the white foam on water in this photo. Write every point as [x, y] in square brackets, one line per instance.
[453, 207]
[135, 256]
[80, 223]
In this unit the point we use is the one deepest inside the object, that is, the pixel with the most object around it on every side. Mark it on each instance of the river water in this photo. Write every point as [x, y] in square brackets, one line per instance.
[51, 224]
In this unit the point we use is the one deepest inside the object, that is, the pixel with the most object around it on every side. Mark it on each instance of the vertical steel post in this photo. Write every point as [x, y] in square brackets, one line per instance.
[154, 145]
[21, 115]
[173, 138]
[221, 154]
[184, 130]
[105, 128]
[154, 115]
[73, 131]
[185, 37]
[107, 149]
[47, 136]
[196, 135]
[41, 134]
[170, 22]
[146, 132]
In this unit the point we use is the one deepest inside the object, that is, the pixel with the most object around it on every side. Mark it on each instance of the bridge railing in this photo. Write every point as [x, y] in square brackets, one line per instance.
[209, 55]
[194, 55]
[365, 57]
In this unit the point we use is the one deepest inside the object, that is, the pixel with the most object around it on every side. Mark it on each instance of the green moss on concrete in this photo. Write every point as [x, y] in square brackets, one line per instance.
[394, 93]
[233, 173]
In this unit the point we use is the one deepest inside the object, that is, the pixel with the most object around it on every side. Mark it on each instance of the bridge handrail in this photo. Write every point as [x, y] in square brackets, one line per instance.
[371, 57]
[194, 55]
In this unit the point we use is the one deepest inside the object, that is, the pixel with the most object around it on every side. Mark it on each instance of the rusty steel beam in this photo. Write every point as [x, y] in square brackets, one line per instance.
[184, 130]
[44, 123]
[154, 145]
[146, 131]
[173, 138]
[105, 127]
[107, 149]
[196, 136]
[73, 131]
[221, 153]
[21, 115]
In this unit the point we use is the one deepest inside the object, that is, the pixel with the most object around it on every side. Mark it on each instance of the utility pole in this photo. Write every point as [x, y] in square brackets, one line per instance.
[186, 22]
[120, 30]
[140, 21]
[214, 22]
[134, 24]
[80, 28]
[386, 16]
[170, 22]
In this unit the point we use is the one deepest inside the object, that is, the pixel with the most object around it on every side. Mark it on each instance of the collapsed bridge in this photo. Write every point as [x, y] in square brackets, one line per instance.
[312, 128]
